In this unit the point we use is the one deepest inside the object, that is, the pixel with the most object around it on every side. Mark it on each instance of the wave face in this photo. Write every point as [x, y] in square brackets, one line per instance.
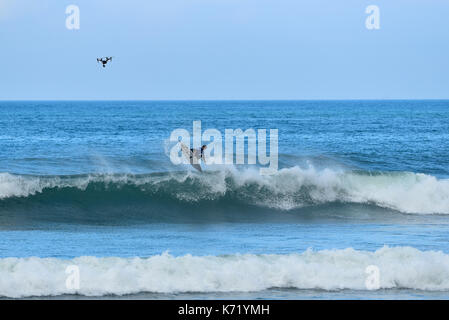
[288, 189]
[399, 268]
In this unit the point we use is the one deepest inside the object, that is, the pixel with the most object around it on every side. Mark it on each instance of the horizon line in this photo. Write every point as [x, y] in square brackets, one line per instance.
[230, 100]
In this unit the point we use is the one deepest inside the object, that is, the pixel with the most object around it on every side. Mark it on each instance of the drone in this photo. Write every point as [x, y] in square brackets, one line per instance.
[104, 61]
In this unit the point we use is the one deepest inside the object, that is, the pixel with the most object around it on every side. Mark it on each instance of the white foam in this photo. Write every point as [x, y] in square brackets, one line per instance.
[288, 189]
[400, 267]
[296, 187]
[405, 192]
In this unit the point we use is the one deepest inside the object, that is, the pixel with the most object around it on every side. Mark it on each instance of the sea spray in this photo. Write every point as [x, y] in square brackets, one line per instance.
[289, 188]
[399, 268]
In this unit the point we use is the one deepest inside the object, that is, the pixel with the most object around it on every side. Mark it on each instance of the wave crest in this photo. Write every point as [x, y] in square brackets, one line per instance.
[399, 268]
[288, 189]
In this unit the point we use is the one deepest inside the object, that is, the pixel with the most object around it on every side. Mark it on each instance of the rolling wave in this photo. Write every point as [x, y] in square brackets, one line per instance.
[288, 189]
[397, 268]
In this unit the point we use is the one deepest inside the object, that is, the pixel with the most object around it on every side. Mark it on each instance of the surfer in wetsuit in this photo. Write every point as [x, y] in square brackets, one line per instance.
[200, 151]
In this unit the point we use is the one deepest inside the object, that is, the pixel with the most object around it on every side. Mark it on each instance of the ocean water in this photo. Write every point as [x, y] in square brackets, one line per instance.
[90, 184]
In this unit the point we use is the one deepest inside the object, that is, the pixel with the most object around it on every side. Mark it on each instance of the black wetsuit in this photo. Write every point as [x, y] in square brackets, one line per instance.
[201, 153]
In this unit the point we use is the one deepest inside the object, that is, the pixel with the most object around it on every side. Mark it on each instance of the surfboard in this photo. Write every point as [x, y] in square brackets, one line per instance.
[190, 156]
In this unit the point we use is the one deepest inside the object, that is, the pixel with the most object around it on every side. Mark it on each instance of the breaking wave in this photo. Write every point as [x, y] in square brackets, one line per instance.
[398, 268]
[288, 189]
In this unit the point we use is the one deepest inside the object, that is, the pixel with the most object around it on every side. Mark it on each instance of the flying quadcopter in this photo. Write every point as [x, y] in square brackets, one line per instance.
[104, 61]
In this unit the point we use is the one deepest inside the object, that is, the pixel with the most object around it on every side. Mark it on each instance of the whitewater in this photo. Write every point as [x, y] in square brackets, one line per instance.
[288, 189]
[331, 270]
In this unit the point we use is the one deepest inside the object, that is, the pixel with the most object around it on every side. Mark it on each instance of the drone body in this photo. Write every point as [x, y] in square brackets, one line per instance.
[104, 61]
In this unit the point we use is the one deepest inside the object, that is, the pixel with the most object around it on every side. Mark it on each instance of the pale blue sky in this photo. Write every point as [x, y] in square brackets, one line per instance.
[224, 49]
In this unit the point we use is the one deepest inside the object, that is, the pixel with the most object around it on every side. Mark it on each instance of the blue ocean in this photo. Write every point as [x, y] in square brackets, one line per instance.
[90, 184]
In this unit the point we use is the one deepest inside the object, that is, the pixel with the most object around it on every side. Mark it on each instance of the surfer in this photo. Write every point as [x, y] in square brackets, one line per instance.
[194, 153]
